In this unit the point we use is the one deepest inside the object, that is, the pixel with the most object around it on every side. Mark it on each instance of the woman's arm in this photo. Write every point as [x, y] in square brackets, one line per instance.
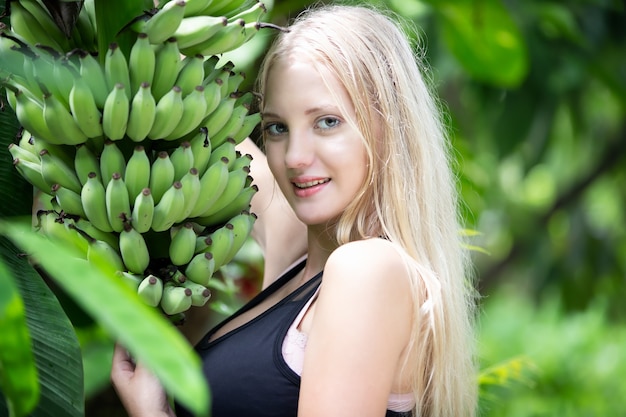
[359, 330]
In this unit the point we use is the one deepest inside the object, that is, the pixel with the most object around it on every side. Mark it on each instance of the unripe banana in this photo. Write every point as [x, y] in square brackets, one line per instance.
[242, 227]
[191, 73]
[220, 116]
[116, 112]
[182, 159]
[183, 244]
[117, 202]
[28, 28]
[111, 160]
[250, 122]
[212, 96]
[167, 67]
[164, 23]
[191, 188]
[116, 68]
[161, 175]
[239, 203]
[68, 200]
[93, 198]
[212, 184]
[134, 250]
[142, 211]
[251, 14]
[93, 73]
[220, 245]
[195, 7]
[18, 152]
[194, 111]
[31, 172]
[63, 75]
[85, 161]
[199, 293]
[169, 110]
[30, 115]
[42, 17]
[55, 171]
[175, 299]
[225, 150]
[129, 279]
[150, 290]
[84, 109]
[142, 113]
[141, 62]
[226, 39]
[234, 82]
[85, 226]
[169, 209]
[137, 174]
[236, 184]
[243, 160]
[201, 268]
[201, 149]
[61, 123]
[196, 29]
[104, 255]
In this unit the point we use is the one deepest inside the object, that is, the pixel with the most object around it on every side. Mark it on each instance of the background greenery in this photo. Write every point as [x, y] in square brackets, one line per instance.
[536, 96]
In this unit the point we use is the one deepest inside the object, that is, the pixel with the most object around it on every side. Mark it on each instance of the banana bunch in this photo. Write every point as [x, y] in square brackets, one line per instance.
[136, 151]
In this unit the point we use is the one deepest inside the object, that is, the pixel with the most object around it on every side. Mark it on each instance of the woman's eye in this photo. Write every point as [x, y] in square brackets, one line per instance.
[275, 129]
[328, 123]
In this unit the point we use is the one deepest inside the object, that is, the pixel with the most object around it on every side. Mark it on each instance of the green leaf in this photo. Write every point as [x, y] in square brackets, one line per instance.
[485, 40]
[18, 373]
[148, 336]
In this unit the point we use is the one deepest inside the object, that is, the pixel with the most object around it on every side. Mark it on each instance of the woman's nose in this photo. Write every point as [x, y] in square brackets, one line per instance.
[300, 150]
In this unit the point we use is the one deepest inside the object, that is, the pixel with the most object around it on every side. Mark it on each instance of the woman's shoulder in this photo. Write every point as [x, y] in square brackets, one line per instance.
[375, 261]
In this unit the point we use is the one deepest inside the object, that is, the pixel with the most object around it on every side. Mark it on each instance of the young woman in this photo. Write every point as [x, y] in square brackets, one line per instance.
[367, 306]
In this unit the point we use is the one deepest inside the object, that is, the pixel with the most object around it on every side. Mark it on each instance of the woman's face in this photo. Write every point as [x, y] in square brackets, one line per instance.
[316, 156]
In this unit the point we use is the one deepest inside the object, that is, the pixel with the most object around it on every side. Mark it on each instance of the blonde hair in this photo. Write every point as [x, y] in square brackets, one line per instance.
[409, 196]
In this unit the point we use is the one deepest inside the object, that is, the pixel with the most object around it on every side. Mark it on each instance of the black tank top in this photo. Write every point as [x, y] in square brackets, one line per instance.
[247, 373]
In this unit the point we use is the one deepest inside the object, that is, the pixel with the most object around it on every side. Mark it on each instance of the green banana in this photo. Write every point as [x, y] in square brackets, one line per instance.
[85, 161]
[63, 73]
[194, 111]
[117, 202]
[92, 73]
[234, 82]
[141, 62]
[201, 268]
[116, 113]
[42, 17]
[183, 244]
[26, 142]
[85, 226]
[93, 198]
[191, 189]
[142, 113]
[250, 122]
[242, 227]
[220, 116]
[235, 185]
[238, 204]
[201, 149]
[164, 22]
[84, 109]
[191, 73]
[212, 95]
[18, 152]
[161, 175]
[175, 299]
[169, 209]
[243, 160]
[169, 110]
[212, 184]
[111, 160]
[142, 211]
[251, 14]
[55, 171]
[60, 122]
[224, 40]
[116, 68]
[31, 172]
[225, 150]
[30, 115]
[231, 127]
[85, 28]
[150, 290]
[199, 293]
[130, 279]
[24, 24]
[194, 30]
[137, 173]
[134, 250]
[182, 159]
[220, 244]
[195, 7]
[101, 253]
[167, 67]
[68, 200]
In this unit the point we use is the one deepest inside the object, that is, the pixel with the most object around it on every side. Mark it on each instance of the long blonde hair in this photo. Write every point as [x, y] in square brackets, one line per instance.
[409, 196]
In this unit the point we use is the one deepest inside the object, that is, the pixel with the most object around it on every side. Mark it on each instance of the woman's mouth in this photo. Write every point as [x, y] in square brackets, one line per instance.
[309, 184]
